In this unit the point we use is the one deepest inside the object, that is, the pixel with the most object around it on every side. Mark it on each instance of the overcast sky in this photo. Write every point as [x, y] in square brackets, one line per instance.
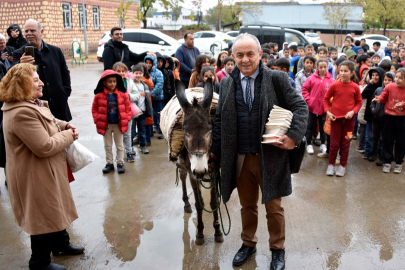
[206, 4]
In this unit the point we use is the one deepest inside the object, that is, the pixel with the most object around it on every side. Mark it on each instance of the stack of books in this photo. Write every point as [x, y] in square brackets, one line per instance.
[278, 124]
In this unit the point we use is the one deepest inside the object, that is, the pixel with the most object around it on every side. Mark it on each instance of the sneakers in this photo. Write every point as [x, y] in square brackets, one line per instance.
[355, 137]
[155, 129]
[160, 136]
[130, 158]
[108, 168]
[372, 158]
[331, 170]
[360, 149]
[316, 142]
[323, 155]
[144, 150]
[366, 155]
[387, 168]
[337, 162]
[341, 171]
[398, 168]
[310, 149]
[323, 148]
[379, 162]
[148, 143]
[120, 168]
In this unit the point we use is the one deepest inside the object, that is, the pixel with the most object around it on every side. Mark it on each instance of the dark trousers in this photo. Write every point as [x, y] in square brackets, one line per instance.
[378, 127]
[394, 132]
[311, 124]
[43, 244]
[362, 135]
[140, 123]
[157, 108]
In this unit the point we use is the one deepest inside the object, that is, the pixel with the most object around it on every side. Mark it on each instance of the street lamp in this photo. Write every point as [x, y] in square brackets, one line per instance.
[85, 28]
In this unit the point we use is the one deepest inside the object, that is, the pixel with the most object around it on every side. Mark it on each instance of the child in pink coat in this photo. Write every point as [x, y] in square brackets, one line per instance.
[313, 92]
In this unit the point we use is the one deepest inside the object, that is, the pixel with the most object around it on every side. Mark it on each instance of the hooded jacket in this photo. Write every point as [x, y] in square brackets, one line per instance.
[300, 79]
[185, 67]
[387, 52]
[13, 42]
[368, 92]
[281, 53]
[116, 51]
[157, 78]
[100, 104]
[171, 76]
[362, 68]
[176, 71]
[314, 90]
[378, 109]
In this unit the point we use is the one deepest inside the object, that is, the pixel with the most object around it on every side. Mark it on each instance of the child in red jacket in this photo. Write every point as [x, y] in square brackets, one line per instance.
[111, 113]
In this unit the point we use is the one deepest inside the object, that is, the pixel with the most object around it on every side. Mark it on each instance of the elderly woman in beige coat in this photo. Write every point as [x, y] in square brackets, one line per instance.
[37, 172]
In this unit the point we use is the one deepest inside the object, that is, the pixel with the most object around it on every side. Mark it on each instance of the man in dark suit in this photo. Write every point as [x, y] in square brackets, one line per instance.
[246, 98]
[52, 69]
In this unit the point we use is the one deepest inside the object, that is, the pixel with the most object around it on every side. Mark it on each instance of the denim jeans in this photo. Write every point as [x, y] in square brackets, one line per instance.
[157, 108]
[362, 135]
[356, 125]
[140, 123]
[369, 137]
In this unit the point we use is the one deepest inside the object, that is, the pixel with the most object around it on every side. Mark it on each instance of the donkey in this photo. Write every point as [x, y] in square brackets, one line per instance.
[193, 159]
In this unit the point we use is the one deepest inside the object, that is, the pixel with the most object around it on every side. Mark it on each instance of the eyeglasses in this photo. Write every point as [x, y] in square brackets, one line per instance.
[118, 34]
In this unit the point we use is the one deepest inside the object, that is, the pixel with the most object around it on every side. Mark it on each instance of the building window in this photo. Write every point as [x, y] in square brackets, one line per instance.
[174, 18]
[96, 17]
[81, 16]
[67, 15]
[186, 17]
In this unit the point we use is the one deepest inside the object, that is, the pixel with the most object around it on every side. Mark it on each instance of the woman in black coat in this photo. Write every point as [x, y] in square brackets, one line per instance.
[16, 39]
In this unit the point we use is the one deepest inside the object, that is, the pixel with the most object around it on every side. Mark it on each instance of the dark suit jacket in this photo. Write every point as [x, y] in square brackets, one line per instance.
[54, 73]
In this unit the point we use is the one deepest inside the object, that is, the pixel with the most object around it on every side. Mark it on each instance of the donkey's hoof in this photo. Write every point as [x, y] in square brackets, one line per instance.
[219, 237]
[199, 240]
[188, 209]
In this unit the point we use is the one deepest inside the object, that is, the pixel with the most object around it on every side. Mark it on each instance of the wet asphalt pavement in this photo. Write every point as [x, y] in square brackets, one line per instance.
[136, 220]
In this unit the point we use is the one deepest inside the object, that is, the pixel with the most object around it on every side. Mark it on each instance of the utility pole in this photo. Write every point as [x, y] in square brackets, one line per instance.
[85, 28]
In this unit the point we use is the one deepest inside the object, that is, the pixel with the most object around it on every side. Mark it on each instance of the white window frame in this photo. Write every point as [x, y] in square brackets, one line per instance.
[67, 15]
[96, 17]
[81, 15]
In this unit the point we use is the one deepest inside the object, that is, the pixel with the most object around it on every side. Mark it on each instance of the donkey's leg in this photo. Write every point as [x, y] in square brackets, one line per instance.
[200, 225]
[183, 177]
[214, 203]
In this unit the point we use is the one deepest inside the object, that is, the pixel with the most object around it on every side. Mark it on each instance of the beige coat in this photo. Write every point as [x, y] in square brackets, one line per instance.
[36, 168]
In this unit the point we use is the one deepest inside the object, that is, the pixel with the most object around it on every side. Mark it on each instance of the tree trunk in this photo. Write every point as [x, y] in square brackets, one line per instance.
[385, 27]
[145, 23]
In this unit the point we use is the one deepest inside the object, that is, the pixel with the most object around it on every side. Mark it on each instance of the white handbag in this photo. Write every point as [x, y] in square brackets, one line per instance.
[79, 156]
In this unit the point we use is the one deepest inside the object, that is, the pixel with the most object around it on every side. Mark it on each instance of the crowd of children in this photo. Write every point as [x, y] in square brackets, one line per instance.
[345, 93]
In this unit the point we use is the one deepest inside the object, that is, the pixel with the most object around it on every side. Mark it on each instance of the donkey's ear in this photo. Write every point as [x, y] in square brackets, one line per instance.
[208, 93]
[181, 95]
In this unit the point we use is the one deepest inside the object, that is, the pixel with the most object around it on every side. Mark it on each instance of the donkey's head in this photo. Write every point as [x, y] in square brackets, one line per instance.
[197, 127]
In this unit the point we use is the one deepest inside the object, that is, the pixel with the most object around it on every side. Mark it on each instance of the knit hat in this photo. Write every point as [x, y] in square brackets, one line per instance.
[391, 75]
[350, 53]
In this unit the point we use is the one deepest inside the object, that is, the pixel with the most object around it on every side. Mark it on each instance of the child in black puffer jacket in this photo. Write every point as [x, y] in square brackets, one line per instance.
[169, 66]
[378, 120]
[161, 62]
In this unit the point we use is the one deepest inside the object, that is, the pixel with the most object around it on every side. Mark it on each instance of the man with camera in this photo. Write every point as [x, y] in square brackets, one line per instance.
[52, 69]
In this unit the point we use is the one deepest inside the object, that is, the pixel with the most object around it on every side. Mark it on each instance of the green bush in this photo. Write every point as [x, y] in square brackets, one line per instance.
[392, 38]
[195, 27]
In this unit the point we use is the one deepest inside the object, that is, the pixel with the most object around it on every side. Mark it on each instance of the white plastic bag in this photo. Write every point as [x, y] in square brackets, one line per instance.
[79, 156]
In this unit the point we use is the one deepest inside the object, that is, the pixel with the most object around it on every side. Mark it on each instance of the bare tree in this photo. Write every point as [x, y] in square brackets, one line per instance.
[336, 13]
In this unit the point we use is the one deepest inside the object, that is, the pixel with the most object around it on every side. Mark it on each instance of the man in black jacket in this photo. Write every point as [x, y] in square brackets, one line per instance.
[246, 98]
[52, 69]
[116, 51]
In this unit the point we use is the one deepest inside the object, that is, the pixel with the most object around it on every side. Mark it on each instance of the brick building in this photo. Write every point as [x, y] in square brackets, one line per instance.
[63, 20]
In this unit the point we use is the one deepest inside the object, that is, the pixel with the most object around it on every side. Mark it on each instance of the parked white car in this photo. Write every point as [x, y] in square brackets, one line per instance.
[313, 38]
[370, 39]
[142, 40]
[233, 33]
[205, 39]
